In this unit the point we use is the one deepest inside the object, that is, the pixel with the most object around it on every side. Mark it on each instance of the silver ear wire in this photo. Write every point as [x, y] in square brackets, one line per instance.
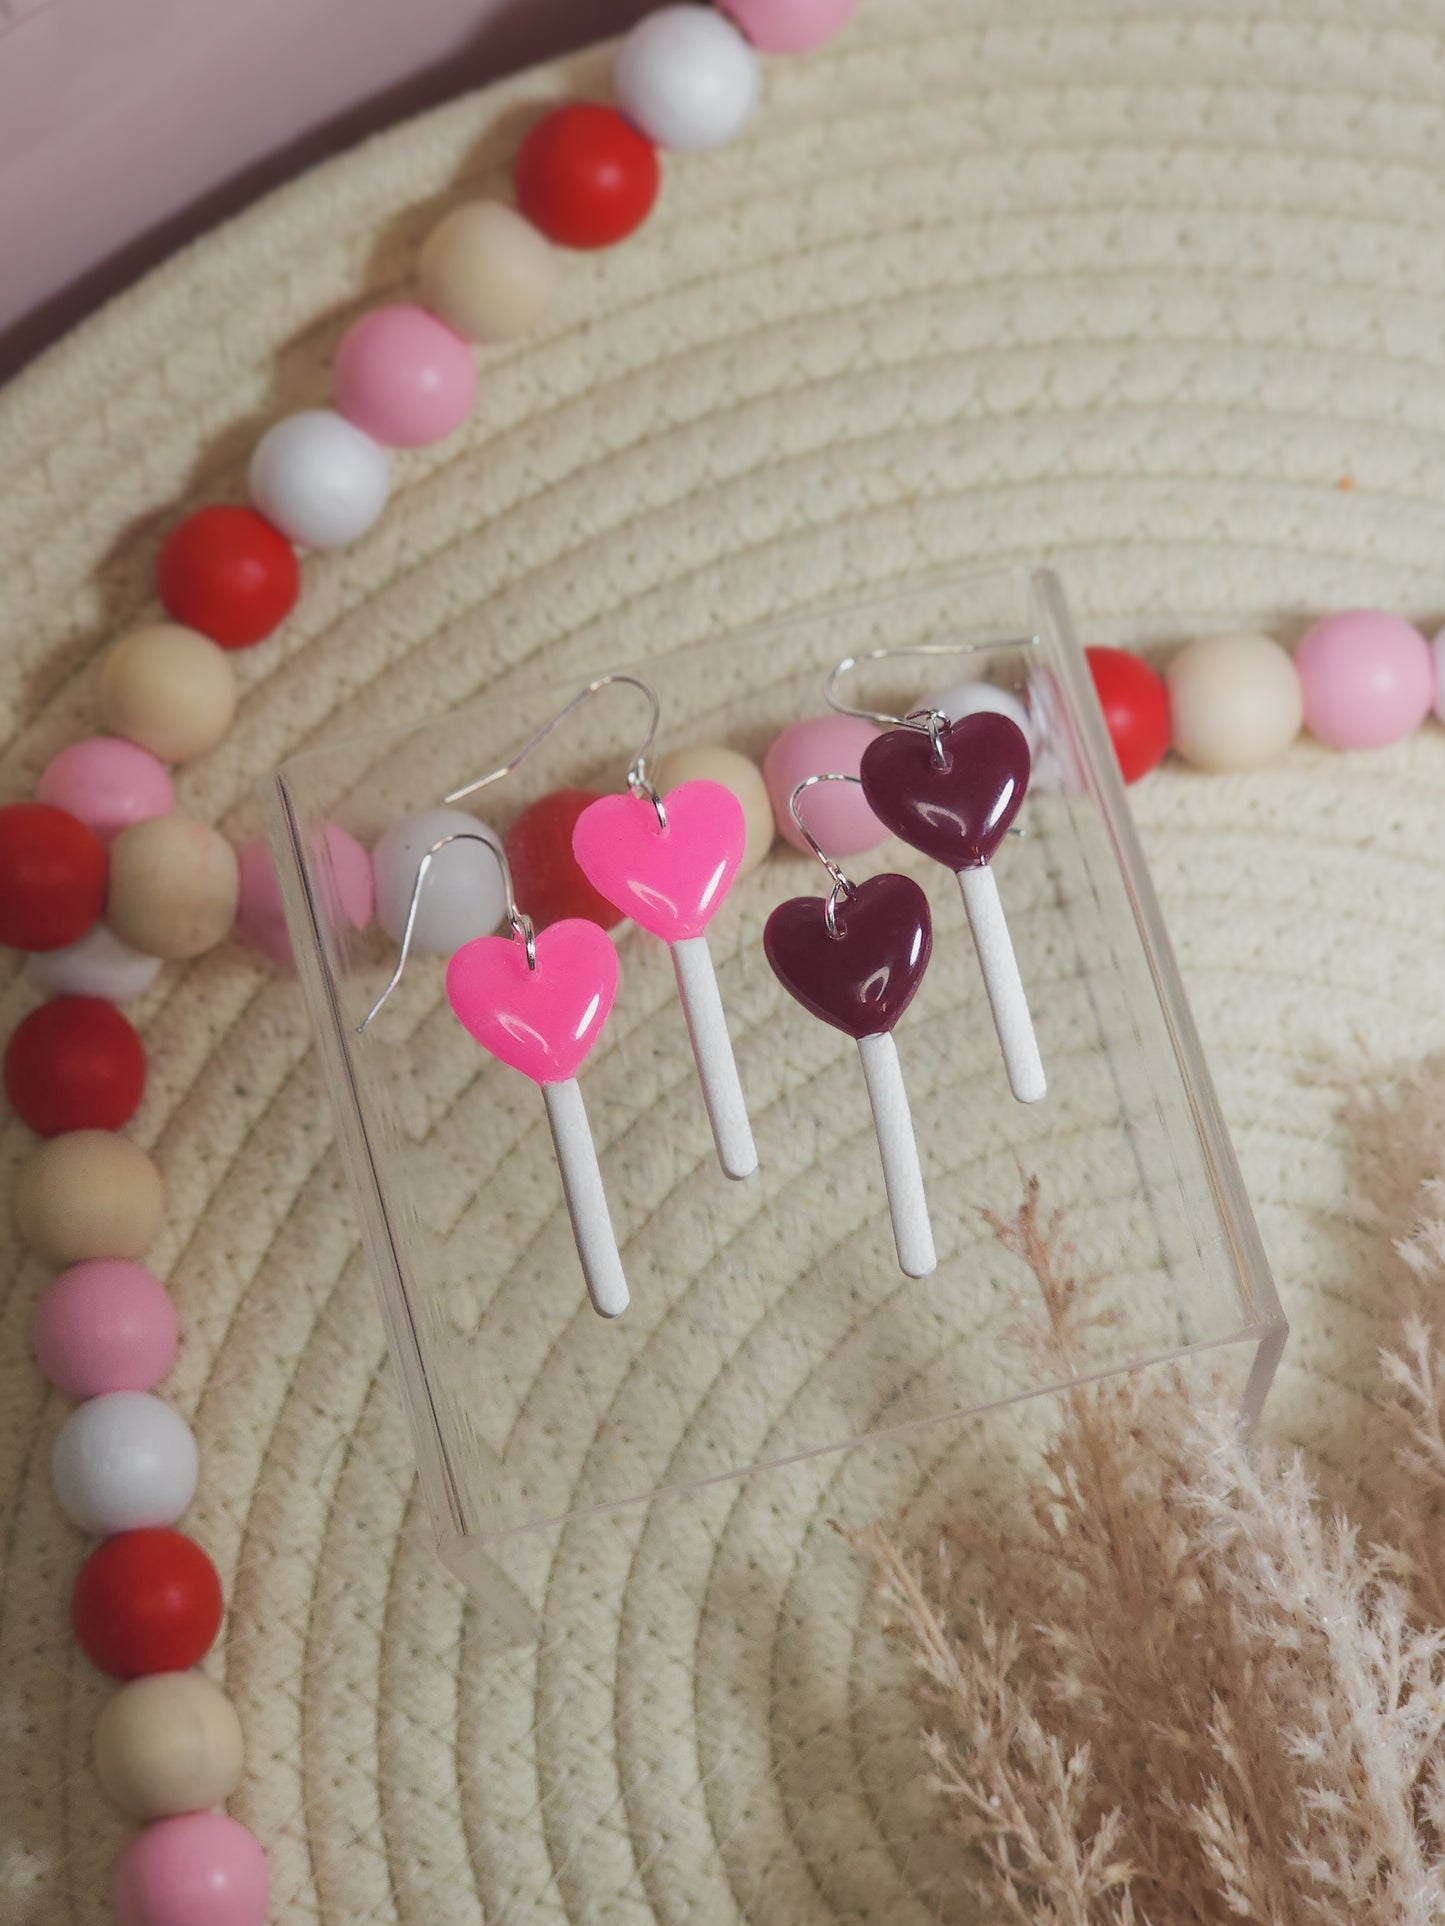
[842, 888]
[933, 720]
[637, 778]
[521, 925]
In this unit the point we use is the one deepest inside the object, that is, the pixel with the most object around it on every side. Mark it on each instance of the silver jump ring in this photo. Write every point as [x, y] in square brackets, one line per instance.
[522, 927]
[840, 892]
[934, 722]
[641, 784]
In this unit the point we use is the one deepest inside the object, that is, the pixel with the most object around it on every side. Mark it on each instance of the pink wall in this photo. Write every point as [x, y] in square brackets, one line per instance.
[128, 125]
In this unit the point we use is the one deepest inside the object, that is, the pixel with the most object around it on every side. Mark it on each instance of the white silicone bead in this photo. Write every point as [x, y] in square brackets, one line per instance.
[318, 479]
[463, 895]
[98, 965]
[973, 698]
[687, 79]
[122, 1462]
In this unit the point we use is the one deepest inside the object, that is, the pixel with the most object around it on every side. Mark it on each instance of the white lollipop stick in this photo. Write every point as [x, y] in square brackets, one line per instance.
[586, 1199]
[1005, 986]
[902, 1177]
[712, 1047]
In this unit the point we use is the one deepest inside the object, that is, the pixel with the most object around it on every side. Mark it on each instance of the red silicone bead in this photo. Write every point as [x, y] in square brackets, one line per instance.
[585, 177]
[229, 574]
[548, 880]
[75, 1064]
[1136, 708]
[146, 1601]
[52, 877]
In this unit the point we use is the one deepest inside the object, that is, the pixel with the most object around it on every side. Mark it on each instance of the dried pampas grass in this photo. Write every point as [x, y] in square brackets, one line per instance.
[1196, 1695]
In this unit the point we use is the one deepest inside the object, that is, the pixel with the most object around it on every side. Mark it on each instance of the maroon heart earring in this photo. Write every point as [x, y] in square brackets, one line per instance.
[855, 958]
[952, 790]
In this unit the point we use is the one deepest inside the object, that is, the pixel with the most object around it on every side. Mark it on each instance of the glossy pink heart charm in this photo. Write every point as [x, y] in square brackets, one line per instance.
[543, 1021]
[670, 881]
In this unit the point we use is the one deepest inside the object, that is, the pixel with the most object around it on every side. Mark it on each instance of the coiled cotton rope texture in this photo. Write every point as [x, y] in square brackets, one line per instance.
[1135, 292]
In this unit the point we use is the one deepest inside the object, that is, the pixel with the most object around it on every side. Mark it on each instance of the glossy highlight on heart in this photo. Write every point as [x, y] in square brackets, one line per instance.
[670, 881]
[543, 1021]
[958, 810]
[864, 978]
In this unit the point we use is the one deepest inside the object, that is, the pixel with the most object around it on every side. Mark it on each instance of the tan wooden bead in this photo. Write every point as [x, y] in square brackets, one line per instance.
[169, 689]
[1234, 702]
[173, 887]
[169, 1743]
[487, 272]
[711, 762]
[88, 1193]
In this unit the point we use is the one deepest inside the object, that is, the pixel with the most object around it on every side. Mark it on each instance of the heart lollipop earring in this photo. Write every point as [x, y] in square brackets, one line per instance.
[952, 790]
[855, 958]
[538, 1003]
[668, 862]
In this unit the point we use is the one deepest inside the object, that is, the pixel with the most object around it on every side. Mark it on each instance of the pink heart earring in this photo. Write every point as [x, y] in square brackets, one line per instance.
[538, 1003]
[855, 958]
[952, 790]
[667, 862]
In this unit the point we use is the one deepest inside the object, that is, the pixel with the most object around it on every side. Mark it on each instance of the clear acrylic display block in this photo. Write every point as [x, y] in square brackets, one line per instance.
[772, 1311]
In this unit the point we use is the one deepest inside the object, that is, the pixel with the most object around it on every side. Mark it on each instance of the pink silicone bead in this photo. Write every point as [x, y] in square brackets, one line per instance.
[834, 811]
[108, 784]
[201, 1869]
[402, 377]
[1367, 678]
[789, 26]
[260, 918]
[1437, 649]
[105, 1325]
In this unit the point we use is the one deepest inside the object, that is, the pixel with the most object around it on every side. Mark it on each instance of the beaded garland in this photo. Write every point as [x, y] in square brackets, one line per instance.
[101, 839]
[1360, 679]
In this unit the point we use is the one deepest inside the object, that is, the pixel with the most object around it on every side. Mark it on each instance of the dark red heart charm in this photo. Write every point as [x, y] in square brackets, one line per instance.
[956, 810]
[864, 978]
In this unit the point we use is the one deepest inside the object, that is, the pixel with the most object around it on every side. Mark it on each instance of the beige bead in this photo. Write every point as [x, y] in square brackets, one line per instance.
[1234, 702]
[169, 1743]
[173, 887]
[168, 689]
[710, 762]
[89, 1193]
[487, 272]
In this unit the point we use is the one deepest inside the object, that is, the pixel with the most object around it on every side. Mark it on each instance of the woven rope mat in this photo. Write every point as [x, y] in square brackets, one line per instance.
[1155, 294]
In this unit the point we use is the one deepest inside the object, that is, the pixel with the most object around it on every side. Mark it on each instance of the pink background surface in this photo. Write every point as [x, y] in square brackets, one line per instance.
[126, 126]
